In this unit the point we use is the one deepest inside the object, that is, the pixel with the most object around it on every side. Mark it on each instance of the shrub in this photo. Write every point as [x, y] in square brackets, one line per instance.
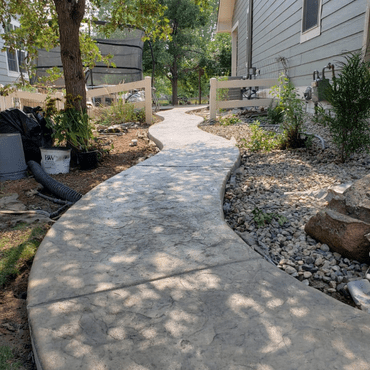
[118, 113]
[261, 140]
[140, 115]
[275, 114]
[230, 120]
[349, 96]
[292, 107]
[70, 126]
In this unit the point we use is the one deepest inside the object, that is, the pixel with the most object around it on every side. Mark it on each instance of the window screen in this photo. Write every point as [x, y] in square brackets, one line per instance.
[21, 60]
[12, 61]
[17, 58]
[310, 14]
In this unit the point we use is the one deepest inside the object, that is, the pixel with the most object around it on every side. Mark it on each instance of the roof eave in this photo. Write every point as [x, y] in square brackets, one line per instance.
[225, 15]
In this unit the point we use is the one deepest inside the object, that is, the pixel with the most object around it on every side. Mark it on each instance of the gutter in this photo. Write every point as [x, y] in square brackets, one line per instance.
[250, 35]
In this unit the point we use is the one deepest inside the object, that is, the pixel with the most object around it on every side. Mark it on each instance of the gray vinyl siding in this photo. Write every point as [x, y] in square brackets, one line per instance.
[4, 76]
[277, 30]
[4, 79]
[240, 14]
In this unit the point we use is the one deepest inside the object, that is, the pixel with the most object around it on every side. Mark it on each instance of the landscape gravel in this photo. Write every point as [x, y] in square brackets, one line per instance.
[292, 185]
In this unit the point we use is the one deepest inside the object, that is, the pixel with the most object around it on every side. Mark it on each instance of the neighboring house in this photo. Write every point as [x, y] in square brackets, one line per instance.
[10, 63]
[297, 37]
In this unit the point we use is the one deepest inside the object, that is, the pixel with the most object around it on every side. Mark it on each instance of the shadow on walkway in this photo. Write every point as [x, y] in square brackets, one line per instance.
[143, 273]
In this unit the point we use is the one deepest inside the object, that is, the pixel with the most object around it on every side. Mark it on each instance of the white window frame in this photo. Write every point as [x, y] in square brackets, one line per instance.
[15, 74]
[234, 49]
[314, 31]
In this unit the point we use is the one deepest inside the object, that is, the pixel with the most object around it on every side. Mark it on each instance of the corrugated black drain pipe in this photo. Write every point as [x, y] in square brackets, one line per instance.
[53, 186]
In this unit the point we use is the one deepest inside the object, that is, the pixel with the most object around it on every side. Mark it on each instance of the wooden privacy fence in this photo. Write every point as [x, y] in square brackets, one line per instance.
[21, 97]
[215, 104]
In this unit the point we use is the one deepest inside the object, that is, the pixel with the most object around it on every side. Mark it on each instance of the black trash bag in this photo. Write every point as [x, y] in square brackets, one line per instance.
[32, 133]
[47, 132]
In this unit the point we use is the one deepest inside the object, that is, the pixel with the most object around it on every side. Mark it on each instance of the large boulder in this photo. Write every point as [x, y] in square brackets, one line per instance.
[344, 234]
[357, 199]
[345, 223]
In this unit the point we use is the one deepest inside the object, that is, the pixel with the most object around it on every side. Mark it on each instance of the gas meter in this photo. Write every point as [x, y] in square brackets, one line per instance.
[319, 85]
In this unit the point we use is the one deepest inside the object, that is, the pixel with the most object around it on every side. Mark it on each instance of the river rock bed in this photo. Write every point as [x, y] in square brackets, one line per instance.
[292, 185]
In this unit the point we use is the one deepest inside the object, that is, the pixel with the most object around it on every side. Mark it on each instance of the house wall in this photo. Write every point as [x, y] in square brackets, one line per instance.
[277, 31]
[4, 78]
[240, 18]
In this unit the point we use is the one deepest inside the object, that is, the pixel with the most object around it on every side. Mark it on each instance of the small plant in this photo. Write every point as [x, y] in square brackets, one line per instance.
[292, 107]
[349, 96]
[261, 140]
[275, 114]
[140, 116]
[230, 120]
[6, 359]
[70, 126]
[262, 218]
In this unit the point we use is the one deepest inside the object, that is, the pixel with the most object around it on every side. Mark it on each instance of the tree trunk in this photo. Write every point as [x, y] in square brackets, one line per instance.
[174, 80]
[70, 15]
[201, 73]
[174, 91]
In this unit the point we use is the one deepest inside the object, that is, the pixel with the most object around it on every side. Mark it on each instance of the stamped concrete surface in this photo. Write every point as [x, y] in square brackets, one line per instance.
[143, 273]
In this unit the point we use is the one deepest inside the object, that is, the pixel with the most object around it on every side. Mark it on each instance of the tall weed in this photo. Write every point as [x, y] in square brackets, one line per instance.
[120, 112]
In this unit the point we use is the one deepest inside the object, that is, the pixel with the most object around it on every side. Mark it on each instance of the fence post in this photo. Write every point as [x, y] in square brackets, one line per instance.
[2, 103]
[148, 99]
[212, 99]
[9, 101]
[60, 102]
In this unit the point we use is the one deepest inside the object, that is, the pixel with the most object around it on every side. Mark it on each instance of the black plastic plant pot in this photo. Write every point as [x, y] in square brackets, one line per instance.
[88, 160]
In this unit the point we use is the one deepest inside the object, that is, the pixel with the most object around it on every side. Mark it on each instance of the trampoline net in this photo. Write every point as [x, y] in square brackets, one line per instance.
[127, 57]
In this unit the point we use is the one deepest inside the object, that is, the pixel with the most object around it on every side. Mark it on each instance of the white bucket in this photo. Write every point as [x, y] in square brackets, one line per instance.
[55, 160]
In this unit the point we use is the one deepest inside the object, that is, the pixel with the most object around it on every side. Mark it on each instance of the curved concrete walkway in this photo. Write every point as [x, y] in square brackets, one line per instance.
[143, 273]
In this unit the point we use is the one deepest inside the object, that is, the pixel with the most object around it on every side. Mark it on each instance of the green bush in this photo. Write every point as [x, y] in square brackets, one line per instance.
[293, 111]
[140, 115]
[117, 113]
[70, 126]
[261, 140]
[349, 97]
[275, 114]
[230, 120]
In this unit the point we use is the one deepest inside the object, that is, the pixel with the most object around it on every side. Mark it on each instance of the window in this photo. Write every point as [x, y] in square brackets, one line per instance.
[311, 19]
[21, 60]
[15, 59]
[12, 61]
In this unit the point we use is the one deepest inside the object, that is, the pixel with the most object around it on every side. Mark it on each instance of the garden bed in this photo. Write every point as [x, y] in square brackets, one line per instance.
[289, 185]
